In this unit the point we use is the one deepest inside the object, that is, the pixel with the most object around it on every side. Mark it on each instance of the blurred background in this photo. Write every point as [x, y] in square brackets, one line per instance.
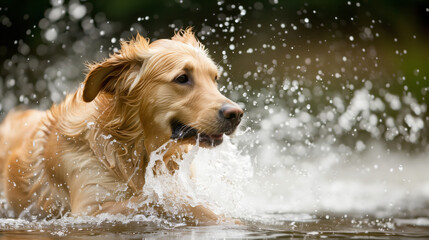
[335, 92]
[307, 59]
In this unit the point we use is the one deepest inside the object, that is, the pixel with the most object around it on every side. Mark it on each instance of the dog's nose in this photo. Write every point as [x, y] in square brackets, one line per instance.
[231, 113]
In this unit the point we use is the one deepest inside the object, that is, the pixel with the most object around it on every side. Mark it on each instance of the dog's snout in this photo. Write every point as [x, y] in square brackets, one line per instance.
[231, 113]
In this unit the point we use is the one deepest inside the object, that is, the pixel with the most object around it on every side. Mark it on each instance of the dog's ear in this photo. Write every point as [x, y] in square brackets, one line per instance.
[99, 76]
[107, 74]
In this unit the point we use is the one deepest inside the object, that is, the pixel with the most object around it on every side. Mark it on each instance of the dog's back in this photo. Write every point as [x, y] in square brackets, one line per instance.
[15, 131]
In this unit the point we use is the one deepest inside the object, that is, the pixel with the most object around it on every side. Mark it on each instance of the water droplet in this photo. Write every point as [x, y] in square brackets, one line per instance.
[51, 34]
[77, 10]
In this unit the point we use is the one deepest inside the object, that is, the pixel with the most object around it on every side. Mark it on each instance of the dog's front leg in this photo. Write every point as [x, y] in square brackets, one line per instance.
[204, 215]
[126, 207]
[197, 214]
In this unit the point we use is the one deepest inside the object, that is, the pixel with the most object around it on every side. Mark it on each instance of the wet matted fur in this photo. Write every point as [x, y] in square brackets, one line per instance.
[88, 154]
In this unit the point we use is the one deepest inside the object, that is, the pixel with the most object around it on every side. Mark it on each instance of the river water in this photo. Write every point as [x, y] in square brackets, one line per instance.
[334, 142]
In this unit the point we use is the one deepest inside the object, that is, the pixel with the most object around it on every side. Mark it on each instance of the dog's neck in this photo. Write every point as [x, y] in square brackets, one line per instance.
[122, 130]
[117, 139]
[114, 133]
[118, 118]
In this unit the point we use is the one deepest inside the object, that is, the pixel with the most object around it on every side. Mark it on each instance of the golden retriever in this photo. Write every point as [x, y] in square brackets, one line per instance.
[88, 155]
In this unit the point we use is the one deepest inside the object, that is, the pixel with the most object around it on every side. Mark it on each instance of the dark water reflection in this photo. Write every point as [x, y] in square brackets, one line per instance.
[278, 225]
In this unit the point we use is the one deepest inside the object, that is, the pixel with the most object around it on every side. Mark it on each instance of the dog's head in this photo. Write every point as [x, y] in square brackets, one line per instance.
[170, 87]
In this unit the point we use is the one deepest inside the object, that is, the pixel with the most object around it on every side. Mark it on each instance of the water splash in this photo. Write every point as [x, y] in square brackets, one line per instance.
[214, 178]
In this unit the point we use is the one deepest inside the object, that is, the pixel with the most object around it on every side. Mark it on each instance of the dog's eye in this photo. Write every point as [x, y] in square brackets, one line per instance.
[182, 79]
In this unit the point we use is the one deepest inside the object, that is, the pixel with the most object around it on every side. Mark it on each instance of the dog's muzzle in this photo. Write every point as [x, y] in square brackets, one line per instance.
[229, 118]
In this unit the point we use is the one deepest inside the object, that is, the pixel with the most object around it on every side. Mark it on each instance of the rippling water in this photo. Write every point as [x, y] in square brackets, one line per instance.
[334, 143]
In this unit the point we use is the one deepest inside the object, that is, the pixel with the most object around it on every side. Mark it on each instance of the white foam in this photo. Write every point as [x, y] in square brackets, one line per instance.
[213, 178]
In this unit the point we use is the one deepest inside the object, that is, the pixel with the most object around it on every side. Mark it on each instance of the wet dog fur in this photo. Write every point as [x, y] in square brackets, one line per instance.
[88, 154]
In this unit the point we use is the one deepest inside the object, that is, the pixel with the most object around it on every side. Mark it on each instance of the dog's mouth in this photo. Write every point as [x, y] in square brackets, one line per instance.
[182, 131]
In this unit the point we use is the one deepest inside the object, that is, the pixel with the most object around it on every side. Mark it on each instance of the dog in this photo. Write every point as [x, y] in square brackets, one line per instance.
[88, 154]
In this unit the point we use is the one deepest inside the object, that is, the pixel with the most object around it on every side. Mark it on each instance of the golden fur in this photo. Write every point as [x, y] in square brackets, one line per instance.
[81, 156]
